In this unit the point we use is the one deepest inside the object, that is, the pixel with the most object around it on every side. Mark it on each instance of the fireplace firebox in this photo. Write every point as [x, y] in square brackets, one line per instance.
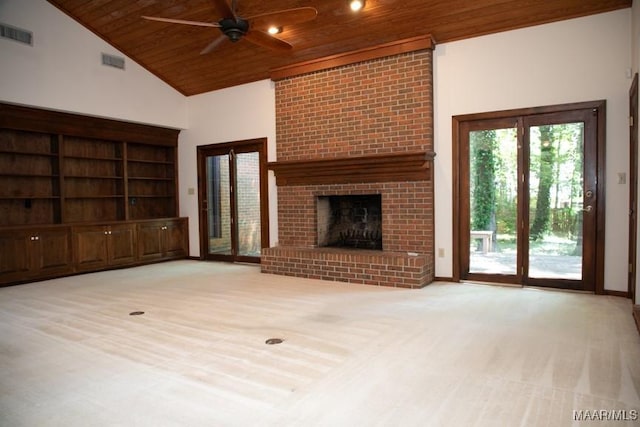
[350, 221]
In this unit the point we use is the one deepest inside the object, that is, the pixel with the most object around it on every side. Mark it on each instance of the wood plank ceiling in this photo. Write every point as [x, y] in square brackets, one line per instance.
[172, 51]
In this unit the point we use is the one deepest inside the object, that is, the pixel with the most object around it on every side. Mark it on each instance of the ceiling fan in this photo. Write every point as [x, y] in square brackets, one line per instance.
[253, 29]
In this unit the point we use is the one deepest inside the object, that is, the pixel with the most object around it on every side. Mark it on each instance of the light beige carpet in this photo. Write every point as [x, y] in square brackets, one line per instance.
[446, 355]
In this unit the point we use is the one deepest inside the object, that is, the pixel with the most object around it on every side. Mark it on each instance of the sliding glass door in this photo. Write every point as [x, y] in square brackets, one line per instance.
[233, 201]
[528, 199]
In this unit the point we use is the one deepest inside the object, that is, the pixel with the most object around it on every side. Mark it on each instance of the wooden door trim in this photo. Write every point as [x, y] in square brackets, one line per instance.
[242, 146]
[601, 206]
[599, 107]
[633, 188]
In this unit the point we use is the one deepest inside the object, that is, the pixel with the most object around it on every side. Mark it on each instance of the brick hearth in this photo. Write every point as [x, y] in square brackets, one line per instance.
[370, 110]
[380, 268]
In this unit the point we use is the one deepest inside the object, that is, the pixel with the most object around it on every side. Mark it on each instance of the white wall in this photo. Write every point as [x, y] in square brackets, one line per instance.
[582, 59]
[63, 71]
[234, 114]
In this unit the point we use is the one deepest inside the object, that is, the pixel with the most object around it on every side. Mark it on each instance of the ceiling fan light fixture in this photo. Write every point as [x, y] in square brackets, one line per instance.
[356, 5]
[273, 30]
[234, 28]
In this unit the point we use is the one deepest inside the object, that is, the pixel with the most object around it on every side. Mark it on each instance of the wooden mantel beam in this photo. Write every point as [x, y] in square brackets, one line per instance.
[414, 166]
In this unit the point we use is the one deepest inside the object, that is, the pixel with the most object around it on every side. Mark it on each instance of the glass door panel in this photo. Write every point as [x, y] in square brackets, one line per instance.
[247, 167]
[555, 207]
[493, 192]
[218, 204]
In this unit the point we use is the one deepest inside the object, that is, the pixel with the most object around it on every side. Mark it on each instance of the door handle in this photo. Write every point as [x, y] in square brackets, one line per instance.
[587, 208]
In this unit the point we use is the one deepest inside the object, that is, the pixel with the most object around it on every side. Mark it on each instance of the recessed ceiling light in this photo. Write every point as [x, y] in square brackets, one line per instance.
[356, 5]
[274, 30]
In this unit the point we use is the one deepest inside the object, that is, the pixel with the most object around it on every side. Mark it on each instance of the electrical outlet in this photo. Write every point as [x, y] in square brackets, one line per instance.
[191, 191]
[440, 252]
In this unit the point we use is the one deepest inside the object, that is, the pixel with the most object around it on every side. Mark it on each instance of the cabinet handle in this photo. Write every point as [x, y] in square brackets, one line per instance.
[37, 237]
[33, 238]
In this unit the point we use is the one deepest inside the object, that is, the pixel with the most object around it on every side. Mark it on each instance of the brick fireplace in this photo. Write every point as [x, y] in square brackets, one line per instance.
[360, 129]
[349, 221]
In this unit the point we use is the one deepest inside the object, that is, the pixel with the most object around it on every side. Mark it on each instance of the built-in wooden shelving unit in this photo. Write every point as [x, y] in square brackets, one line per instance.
[86, 186]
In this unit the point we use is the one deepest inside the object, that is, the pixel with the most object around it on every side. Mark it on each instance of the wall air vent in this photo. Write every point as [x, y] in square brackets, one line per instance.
[113, 61]
[16, 34]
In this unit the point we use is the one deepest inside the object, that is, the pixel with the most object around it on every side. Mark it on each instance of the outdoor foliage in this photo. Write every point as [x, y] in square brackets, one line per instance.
[483, 147]
[555, 181]
[546, 165]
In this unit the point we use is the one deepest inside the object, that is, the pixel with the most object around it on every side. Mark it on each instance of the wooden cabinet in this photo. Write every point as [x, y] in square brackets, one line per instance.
[162, 239]
[98, 247]
[81, 193]
[29, 254]
[35, 253]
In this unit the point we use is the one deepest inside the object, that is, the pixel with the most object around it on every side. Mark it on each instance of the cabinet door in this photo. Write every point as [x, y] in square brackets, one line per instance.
[14, 256]
[90, 247]
[175, 239]
[52, 254]
[122, 244]
[150, 245]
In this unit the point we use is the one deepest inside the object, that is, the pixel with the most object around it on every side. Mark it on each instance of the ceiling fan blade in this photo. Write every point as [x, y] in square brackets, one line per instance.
[211, 46]
[181, 21]
[282, 18]
[265, 40]
[224, 9]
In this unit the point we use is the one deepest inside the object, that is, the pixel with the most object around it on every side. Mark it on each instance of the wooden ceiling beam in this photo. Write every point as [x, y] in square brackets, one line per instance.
[388, 49]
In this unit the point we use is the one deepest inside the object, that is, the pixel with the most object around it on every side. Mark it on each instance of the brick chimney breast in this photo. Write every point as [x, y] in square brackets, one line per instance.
[378, 107]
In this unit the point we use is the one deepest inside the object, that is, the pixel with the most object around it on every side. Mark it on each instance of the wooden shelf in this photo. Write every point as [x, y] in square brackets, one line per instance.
[31, 197]
[27, 153]
[155, 162]
[150, 178]
[414, 166]
[92, 177]
[100, 158]
[29, 175]
[83, 169]
[95, 196]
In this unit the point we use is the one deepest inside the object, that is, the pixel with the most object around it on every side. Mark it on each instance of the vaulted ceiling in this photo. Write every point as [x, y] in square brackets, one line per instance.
[172, 51]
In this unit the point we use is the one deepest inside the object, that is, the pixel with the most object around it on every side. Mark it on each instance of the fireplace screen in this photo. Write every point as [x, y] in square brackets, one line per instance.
[353, 221]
